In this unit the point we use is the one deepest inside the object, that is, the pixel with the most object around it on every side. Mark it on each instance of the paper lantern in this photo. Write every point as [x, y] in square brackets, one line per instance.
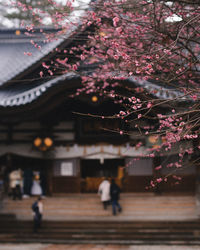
[37, 142]
[48, 142]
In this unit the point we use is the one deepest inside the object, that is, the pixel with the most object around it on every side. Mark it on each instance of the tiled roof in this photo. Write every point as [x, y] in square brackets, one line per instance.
[14, 61]
[14, 42]
[12, 47]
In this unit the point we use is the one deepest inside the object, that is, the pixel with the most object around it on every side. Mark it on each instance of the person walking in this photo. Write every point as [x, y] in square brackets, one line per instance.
[104, 192]
[37, 208]
[15, 180]
[114, 193]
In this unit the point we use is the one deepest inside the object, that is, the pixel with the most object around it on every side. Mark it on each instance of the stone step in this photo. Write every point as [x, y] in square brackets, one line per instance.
[165, 232]
[128, 202]
[99, 205]
[170, 225]
[101, 236]
[92, 229]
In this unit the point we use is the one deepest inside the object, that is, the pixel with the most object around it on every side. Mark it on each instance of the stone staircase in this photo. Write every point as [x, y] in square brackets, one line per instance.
[146, 219]
[88, 207]
[103, 232]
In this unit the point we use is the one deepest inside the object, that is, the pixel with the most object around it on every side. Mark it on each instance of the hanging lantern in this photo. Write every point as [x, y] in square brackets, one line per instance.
[43, 144]
[48, 142]
[94, 98]
[37, 142]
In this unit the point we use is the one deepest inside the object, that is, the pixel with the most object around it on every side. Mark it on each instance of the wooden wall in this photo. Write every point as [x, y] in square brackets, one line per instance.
[66, 185]
[136, 183]
[66, 176]
[139, 174]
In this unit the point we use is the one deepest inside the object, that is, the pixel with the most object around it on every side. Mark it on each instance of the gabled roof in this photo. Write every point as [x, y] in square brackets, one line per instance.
[15, 42]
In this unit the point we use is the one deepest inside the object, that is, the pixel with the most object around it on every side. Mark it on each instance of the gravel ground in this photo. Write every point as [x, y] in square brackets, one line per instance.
[91, 247]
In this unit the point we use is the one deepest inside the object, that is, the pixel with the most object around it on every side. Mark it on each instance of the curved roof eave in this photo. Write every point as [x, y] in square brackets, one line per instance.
[28, 96]
[31, 95]
[154, 89]
[159, 91]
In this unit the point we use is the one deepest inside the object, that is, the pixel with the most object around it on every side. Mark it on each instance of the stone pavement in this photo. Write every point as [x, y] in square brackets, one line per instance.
[91, 247]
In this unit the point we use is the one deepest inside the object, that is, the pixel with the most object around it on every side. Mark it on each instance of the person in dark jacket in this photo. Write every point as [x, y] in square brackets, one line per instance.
[114, 194]
[37, 208]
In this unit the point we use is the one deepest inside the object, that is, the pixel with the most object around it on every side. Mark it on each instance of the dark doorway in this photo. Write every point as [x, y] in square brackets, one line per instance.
[94, 168]
[93, 172]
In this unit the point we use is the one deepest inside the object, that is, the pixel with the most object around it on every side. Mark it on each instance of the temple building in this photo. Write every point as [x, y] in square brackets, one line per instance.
[48, 129]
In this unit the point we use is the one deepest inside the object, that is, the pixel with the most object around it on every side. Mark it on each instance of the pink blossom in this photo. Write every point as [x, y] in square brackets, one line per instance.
[45, 66]
[194, 97]
[122, 113]
[28, 53]
[74, 67]
[149, 105]
[159, 167]
[115, 21]
[152, 184]
[41, 74]
[159, 180]
[50, 72]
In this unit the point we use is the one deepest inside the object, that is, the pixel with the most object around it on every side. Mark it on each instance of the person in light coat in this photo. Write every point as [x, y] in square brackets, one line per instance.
[104, 192]
[16, 183]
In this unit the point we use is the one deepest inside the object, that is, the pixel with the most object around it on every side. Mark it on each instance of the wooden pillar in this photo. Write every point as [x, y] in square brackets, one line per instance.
[51, 183]
[9, 134]
[8, 165]
[195, 159]
[77, 165]
[197, 190]
[157, 174]
[49, 177]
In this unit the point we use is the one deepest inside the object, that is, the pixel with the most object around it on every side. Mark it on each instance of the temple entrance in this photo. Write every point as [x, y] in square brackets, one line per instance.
[93, 171]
